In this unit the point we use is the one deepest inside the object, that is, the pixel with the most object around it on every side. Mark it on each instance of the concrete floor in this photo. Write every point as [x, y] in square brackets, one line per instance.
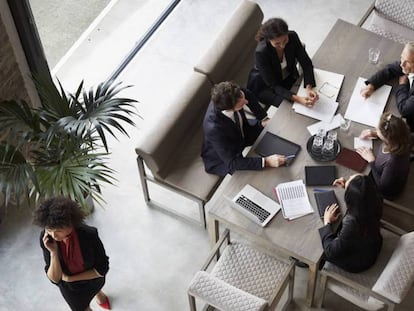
[153, 256]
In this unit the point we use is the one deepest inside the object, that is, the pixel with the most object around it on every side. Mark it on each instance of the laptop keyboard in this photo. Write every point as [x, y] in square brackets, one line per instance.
[253, 208]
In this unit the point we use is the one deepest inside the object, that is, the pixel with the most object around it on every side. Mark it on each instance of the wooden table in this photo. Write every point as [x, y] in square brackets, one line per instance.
[344, 51]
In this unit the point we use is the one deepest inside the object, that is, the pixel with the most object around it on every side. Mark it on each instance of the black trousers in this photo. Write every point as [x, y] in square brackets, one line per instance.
[78, 295]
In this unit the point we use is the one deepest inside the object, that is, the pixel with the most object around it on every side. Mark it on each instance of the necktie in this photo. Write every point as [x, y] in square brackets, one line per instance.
[239, 122]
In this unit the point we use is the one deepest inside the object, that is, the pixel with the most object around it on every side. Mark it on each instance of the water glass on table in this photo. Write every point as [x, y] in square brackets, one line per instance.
[332, 135]
[345, 125]
[317, 144]
[328, 148]
[373, 55]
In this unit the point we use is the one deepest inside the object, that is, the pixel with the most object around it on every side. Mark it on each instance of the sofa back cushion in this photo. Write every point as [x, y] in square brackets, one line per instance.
[175, 127]
[231, 56]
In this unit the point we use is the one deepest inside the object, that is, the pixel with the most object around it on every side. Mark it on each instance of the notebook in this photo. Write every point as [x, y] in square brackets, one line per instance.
[273, 144]
[322, 175]
[255, 205]
[351, 159]
[324, 199]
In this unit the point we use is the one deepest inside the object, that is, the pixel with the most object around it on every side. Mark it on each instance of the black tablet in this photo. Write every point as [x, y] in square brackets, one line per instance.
[321, 175]
[273, 144]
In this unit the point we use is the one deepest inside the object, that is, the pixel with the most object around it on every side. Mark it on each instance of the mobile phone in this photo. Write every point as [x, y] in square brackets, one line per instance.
[49, 238]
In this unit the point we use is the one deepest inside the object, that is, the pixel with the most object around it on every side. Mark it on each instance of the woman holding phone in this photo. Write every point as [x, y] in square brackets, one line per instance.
[75, 258]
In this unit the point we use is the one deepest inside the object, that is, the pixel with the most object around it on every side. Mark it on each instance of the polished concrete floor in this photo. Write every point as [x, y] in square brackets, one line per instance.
[153, 256]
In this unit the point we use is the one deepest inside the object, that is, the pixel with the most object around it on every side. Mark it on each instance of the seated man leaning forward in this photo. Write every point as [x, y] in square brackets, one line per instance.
[227, 132]
[404, 92]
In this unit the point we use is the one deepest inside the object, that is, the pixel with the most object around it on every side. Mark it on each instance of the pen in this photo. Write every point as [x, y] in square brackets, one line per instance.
[290, 156]
[320, 190]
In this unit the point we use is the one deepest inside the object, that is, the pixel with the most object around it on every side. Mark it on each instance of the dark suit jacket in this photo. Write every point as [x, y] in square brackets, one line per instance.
[350, 248]
[223, 142]
[270, 71]
[404, 95]
[92, 249]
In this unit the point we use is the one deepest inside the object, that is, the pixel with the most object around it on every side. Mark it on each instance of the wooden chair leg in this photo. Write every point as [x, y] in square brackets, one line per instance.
[191, 300]
[323, 290]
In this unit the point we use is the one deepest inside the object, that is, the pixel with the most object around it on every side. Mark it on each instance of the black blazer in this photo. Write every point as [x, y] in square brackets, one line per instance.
[350, 248]
[270, 71]
[404, 94]
[223, 143]
[92, 249]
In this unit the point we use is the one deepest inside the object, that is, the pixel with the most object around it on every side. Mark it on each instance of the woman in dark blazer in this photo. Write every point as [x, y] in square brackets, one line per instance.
[357, 243]
[75, 258]
[391, 164]
[277, 53]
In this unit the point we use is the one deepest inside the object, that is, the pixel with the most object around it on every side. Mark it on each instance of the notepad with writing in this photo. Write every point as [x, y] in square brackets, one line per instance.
[351, 159]
[324, 199]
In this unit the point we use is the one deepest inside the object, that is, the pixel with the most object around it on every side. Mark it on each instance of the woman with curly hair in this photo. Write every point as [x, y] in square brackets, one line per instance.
[75, 258]
[391, 164]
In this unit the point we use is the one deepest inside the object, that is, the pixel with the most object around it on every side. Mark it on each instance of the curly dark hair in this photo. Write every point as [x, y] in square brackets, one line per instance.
[272, 29]
[58, 212]
[225, 95]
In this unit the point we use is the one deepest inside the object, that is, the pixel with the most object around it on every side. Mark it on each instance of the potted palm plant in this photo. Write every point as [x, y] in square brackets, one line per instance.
[61, 147]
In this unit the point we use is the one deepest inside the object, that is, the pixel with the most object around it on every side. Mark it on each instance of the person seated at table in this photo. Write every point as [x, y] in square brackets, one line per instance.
[355, 246]
[391, 165]
[404, 92]
[227, 132]
[278, 50]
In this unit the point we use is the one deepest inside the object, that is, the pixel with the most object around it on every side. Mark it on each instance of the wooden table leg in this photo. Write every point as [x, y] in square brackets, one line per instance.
[310, 294]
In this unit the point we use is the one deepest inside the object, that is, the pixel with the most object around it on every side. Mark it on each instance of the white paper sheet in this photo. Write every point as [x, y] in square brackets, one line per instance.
[327, 126]
[367, 111]
[328, 85]
[294, 199]
[358, 142]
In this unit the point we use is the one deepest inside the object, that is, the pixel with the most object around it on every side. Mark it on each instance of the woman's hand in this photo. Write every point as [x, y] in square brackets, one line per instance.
[368, 134]
[66, 277]
[51, 245]
[339, 182]
[331, 214]
[367, 91]
[366, 153]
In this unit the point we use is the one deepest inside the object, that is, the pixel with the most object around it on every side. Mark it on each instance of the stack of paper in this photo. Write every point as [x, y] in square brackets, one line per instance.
[327, 126]
[328, 85]
[293, 199]
[367, 111]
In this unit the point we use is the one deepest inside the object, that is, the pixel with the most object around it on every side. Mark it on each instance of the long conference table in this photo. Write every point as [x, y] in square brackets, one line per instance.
[344, 51]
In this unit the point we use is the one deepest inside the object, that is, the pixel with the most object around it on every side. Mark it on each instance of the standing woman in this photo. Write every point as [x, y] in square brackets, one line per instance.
[391, 165]
[357, 243]
[277, 53]
[74, 255]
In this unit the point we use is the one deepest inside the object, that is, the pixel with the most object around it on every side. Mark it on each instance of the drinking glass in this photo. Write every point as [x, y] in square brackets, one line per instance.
[328, 148]
[332, 135]
[317, 144]
[373, 55]
[321, 132]
[345, 125]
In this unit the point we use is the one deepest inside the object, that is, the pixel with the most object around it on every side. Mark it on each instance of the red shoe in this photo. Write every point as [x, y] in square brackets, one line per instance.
[105, 304]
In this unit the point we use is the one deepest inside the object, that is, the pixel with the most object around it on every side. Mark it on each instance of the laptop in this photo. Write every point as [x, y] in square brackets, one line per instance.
[255, 205]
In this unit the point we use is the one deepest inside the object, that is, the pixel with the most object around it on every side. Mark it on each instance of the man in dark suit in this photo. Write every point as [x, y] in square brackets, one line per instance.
[227, 132]
[404, 92]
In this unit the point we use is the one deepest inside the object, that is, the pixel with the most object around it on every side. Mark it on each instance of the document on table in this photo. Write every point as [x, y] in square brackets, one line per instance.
[293, 199]
[367, 111]
[328, 85]
[327, 126]
[358, 142]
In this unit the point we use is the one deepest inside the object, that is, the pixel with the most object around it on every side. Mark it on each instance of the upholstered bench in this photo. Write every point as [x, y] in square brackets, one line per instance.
[169, 152]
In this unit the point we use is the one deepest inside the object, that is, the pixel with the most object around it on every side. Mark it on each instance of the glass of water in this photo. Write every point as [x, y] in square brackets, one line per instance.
[332, 135]
[317, 144]
[328, 148]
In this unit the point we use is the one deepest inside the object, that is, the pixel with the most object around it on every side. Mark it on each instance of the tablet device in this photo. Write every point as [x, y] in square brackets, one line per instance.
[324, 199]
[273, 144]
[322, 175]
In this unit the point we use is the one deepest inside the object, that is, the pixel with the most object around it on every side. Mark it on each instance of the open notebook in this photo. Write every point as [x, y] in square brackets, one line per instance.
[255, 205]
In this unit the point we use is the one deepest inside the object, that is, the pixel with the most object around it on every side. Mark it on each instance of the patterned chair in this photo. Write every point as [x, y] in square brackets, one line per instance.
[243, 279]
[392, 19]
[384, 285]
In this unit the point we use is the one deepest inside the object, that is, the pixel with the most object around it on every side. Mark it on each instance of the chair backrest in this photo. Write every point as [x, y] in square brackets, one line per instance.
[398, 11]
[231, 56]
[398, 275]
